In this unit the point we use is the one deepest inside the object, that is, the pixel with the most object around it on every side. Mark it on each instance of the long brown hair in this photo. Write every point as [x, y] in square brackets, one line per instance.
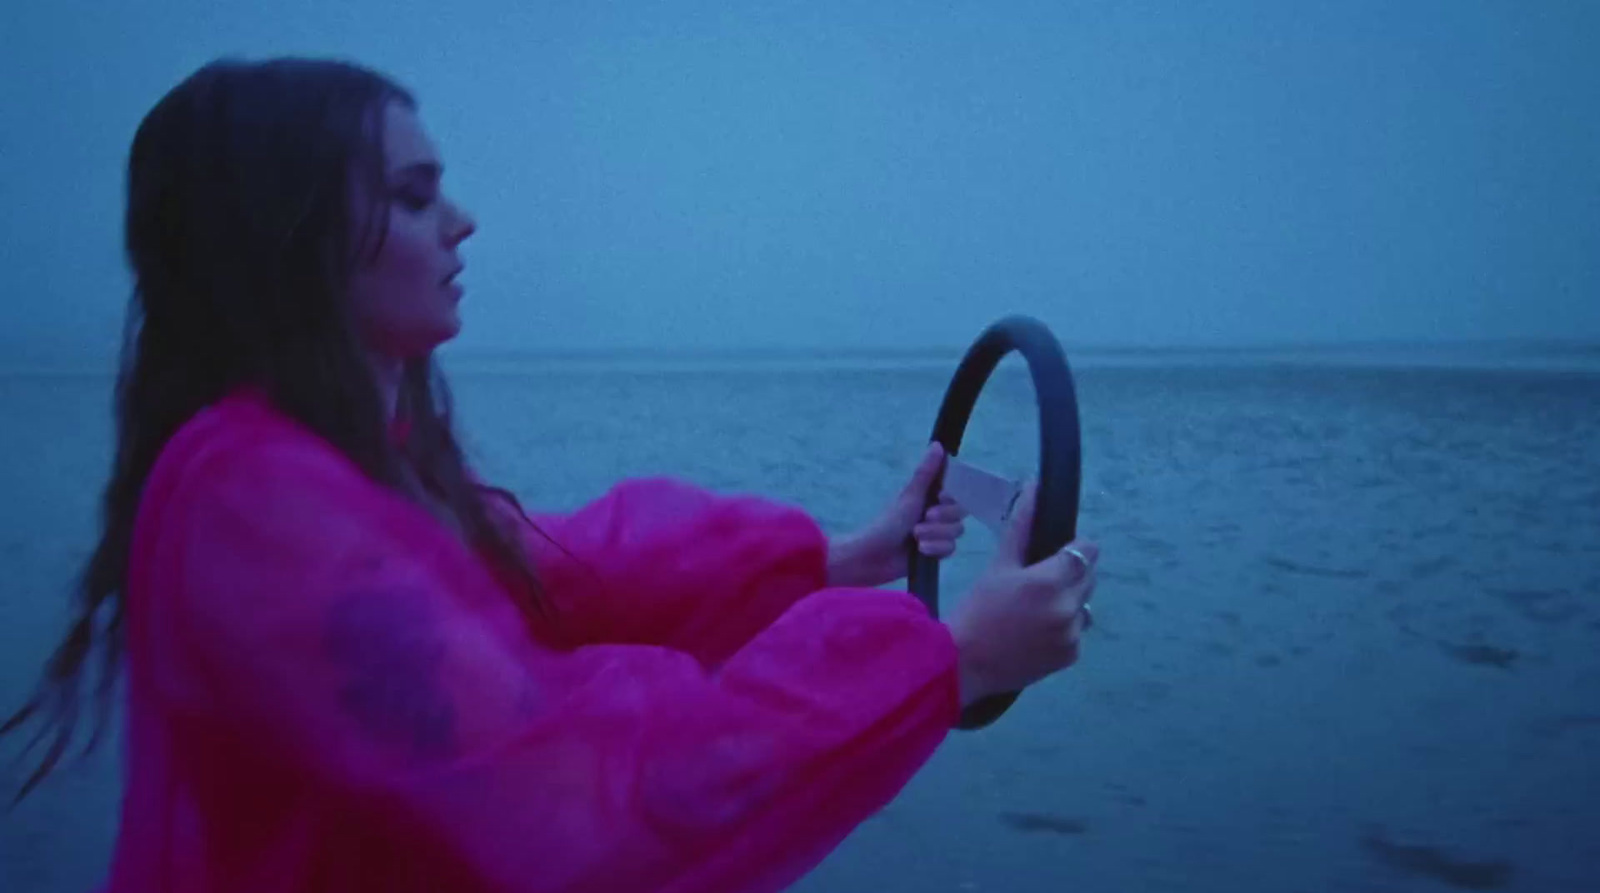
[241, 237]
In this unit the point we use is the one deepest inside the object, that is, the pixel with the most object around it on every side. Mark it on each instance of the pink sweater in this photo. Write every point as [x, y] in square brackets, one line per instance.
[329, 691]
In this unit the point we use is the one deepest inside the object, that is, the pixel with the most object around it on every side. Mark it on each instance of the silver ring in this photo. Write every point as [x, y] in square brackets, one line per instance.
[1088, 616]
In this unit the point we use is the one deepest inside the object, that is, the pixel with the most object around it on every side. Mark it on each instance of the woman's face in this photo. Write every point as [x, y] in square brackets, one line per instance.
[405, 299]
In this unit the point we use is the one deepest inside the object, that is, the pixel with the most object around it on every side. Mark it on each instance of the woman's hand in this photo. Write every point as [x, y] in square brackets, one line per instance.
[876, 554]
[1022, 622]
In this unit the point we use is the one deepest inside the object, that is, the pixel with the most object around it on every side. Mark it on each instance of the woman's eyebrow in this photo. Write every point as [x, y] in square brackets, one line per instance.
[427, 170]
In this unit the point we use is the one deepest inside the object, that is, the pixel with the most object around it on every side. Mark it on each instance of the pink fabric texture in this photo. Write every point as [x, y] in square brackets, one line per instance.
[329, 691]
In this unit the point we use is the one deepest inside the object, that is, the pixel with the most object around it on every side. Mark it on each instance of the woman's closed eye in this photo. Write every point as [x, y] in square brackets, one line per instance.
[414, 199]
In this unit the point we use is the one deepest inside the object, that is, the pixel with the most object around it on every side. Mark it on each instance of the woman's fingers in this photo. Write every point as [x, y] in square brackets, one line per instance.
[1069, 578]
[938, 539]
[1084, 552]
[944, 512]
[1080, 622]
[940, 528]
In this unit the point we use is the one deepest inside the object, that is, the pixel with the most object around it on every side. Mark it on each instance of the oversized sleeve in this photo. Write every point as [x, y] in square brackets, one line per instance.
[345, 642]
[662, 561]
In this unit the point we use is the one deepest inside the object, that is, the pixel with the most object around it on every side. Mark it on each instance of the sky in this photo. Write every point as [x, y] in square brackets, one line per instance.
[894, 174]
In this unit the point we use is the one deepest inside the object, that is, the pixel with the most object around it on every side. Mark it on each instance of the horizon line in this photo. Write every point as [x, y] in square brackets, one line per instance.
[812, 350]
[1586, 348]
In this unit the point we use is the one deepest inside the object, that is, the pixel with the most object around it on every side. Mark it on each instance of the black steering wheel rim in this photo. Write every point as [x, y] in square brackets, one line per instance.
[1060, 474]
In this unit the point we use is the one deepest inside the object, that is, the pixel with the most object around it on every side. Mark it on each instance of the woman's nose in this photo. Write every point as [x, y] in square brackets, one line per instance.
[461, 225]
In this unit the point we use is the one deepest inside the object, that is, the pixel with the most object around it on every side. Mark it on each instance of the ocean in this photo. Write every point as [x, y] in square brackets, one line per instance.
[1348, 623]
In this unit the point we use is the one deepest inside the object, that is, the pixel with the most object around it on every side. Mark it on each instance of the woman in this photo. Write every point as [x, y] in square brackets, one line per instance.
[352, 666]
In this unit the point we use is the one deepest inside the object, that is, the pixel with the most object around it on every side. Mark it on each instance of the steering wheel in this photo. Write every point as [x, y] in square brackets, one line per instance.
[1055, 519]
